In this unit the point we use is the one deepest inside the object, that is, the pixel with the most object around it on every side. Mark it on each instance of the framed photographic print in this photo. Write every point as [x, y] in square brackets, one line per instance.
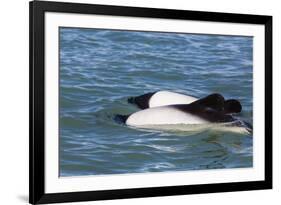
[140, 102]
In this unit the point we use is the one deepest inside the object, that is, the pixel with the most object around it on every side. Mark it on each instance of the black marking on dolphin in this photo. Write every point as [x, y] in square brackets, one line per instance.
[217, 102]
[206, 113]
[232, 106]
[214, 101]
[141, 101]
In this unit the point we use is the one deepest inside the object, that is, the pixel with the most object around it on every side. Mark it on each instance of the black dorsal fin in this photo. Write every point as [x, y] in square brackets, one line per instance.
[232, 106]
[218, 103]
[214, 101]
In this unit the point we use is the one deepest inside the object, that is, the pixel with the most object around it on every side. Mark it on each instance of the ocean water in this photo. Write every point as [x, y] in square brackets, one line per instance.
[100, 69]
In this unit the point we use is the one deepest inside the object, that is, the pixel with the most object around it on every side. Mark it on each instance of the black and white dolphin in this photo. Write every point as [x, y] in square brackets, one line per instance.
[208, 111]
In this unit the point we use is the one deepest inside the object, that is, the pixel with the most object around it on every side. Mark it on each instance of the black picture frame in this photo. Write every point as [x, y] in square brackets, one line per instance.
[37, 193]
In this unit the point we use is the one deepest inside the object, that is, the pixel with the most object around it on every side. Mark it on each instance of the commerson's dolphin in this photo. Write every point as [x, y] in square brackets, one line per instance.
[182, 112]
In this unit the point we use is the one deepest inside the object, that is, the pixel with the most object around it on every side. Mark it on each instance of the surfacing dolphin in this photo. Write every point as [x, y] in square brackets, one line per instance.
[210, 111]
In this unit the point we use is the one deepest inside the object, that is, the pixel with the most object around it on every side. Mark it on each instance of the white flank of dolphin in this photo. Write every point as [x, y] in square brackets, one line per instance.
[162, 98]
[163, 115]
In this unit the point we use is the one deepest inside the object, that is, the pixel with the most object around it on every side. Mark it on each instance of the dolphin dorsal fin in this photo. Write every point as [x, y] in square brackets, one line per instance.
[214, 101]
[217, 102]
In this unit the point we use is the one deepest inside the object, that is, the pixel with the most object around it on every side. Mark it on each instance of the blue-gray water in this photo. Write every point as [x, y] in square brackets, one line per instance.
[100, 69]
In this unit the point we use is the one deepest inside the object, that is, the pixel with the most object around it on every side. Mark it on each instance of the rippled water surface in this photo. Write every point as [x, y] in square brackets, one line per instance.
[100, 69]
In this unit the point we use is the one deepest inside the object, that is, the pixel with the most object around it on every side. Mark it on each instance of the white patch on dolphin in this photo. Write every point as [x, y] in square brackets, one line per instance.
[162, 98]
[163, 115]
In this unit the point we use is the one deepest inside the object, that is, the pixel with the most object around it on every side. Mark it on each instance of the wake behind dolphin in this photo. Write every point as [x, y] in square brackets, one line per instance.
[165, 110]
